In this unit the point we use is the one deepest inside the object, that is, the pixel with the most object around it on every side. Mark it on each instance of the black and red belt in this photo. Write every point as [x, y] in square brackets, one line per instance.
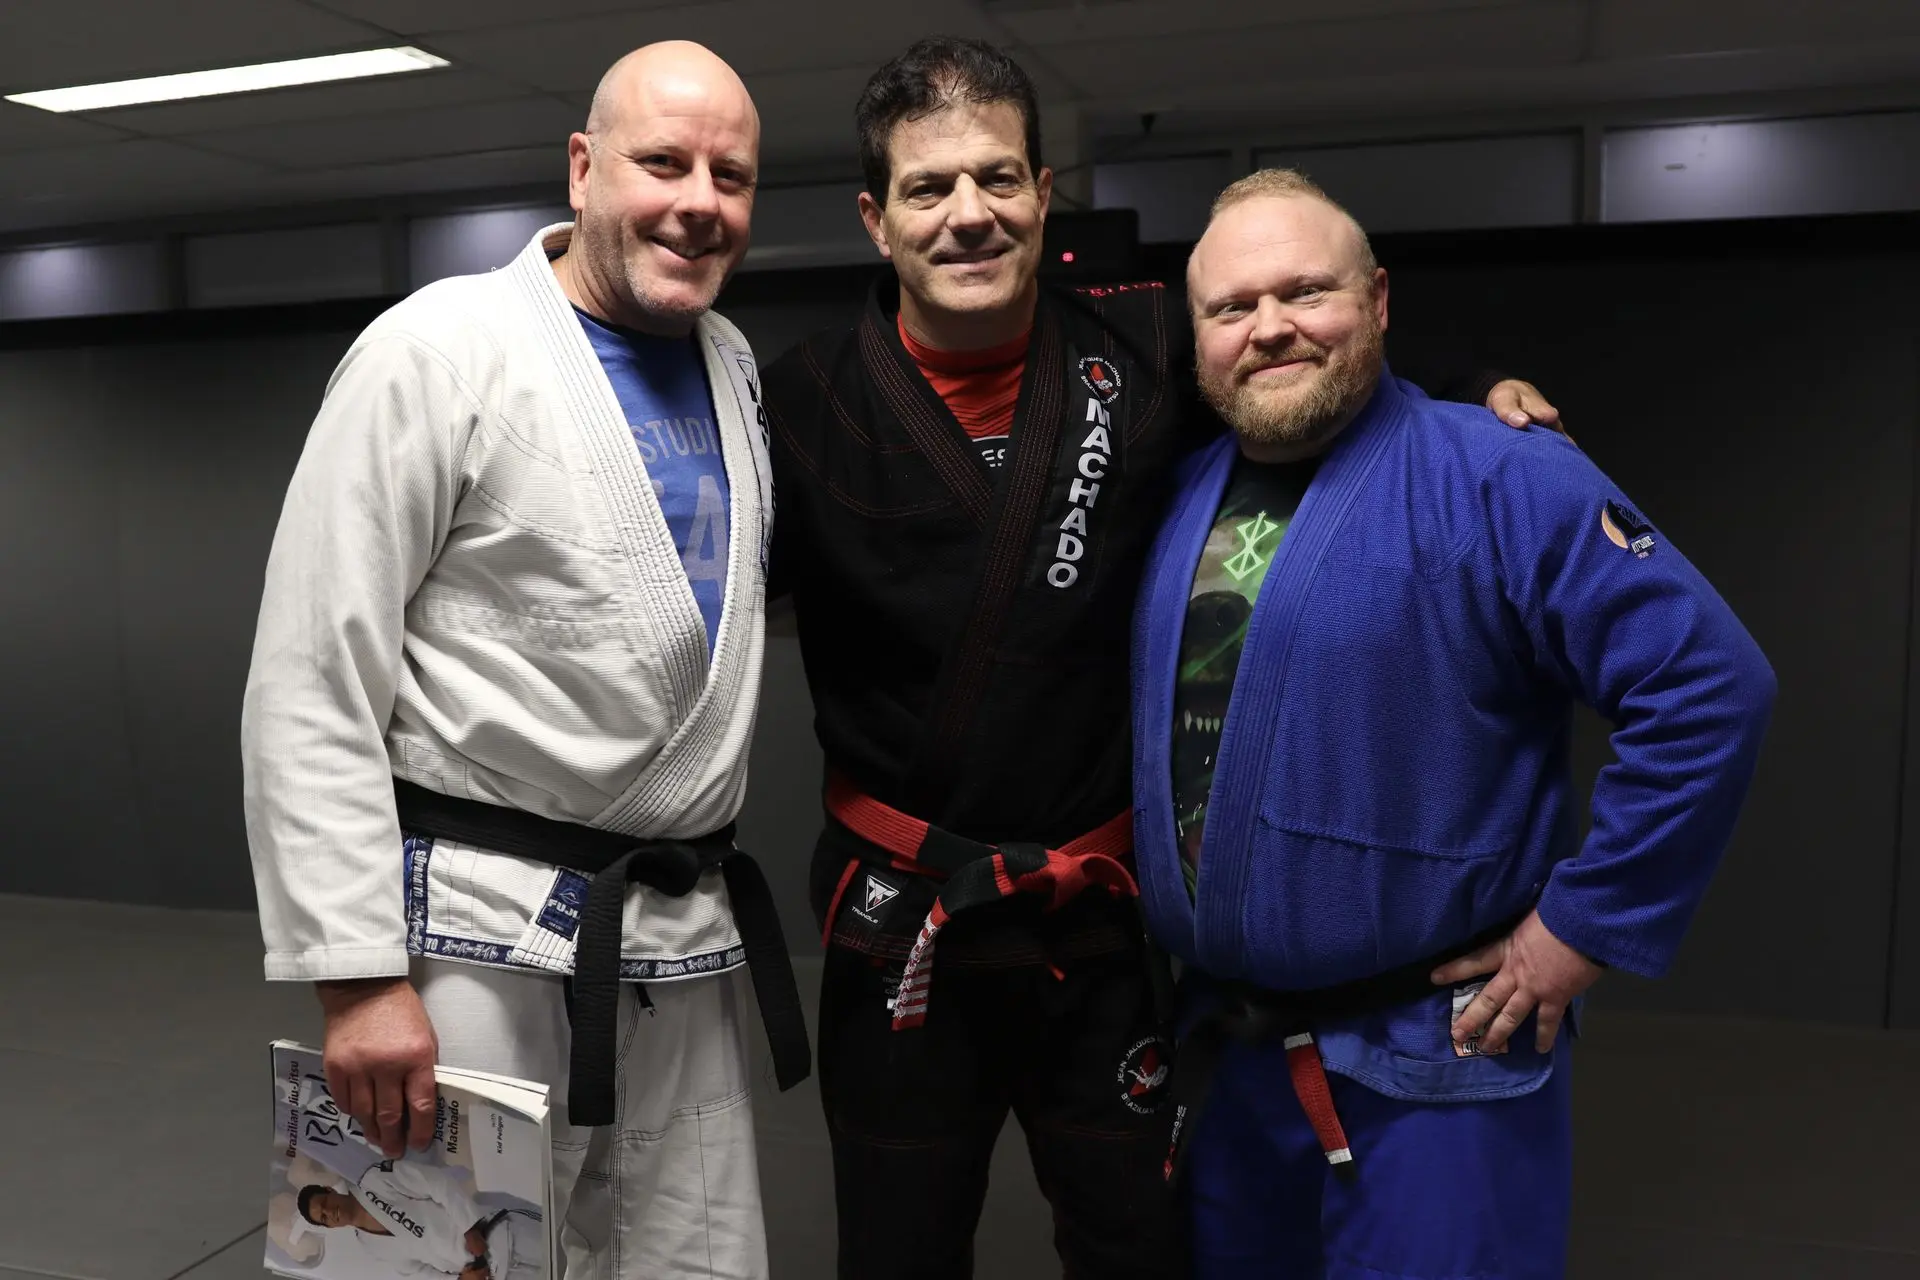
[1248, 1014]
[974, 874]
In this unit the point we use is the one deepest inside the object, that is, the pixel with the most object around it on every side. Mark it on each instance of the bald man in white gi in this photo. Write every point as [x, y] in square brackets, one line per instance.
[512, 628]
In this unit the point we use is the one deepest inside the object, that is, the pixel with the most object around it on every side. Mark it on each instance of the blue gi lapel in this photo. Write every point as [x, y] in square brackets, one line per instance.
[1159, 616]
[1246, 740]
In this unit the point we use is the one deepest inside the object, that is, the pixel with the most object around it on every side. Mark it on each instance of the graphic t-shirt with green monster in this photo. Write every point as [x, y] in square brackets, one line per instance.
[1259, 504]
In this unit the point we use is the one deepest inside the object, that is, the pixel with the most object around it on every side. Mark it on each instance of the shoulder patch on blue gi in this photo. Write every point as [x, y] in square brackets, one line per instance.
[1625, 529]
[1143, 1075]
[1101, 378]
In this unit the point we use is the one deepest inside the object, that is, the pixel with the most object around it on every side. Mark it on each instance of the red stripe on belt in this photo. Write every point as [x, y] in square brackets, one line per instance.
[1316, 1099]
[1086, 863]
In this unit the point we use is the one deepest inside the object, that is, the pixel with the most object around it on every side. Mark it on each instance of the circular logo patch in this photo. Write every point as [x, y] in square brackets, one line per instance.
[1101, 378]
[1143, 1074]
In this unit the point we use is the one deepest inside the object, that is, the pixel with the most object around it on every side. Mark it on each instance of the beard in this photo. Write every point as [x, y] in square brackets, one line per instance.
[617, 256]
[1300, 417]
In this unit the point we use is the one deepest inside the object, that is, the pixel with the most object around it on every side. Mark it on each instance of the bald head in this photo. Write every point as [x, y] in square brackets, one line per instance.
[662, 184]
[668, 75]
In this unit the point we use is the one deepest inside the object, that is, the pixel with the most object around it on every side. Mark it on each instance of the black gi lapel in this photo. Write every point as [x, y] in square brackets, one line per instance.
[909, 397]
[1010, 518]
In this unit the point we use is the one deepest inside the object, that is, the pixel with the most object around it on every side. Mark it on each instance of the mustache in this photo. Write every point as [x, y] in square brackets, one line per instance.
[1254, 361]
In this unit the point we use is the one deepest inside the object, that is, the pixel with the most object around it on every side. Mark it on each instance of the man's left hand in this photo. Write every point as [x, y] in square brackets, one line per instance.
[1535, 971]
[1518, 403]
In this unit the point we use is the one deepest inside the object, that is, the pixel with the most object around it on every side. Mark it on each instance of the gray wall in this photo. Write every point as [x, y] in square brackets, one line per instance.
[1777, 451]
[1762, 411]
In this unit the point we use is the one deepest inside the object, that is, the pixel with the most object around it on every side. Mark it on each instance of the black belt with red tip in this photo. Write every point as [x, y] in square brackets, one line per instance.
[974, 874]
[1247, 1014]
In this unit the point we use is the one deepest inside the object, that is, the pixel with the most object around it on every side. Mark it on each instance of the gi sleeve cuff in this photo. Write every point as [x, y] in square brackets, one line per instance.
[1604, 947]
[337, 964]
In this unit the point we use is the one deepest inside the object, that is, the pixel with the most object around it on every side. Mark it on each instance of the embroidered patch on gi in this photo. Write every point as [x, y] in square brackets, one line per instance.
[1626, 530]
[1143, 1075]
[1462, 997]
[879, 894]
[1101, 378]
[561, 914]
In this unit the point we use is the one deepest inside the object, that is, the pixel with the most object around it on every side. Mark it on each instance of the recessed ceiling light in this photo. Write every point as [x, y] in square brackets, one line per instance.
[207, 84]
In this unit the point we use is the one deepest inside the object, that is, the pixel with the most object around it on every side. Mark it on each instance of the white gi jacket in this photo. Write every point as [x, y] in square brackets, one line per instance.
[472, 586]
[427, 1214]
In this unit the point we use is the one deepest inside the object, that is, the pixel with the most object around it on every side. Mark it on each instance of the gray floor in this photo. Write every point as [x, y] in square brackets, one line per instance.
[133, 1055]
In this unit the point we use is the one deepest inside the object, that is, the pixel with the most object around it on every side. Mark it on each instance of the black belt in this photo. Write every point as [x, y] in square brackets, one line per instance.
[614, 861]
[1249, 1014]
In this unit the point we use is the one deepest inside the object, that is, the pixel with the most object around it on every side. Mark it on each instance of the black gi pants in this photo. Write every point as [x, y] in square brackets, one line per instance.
[914, 1115]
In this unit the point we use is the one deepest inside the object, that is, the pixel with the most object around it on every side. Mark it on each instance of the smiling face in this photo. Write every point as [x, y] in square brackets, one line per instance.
[962, 223]
[1289, 322]
[330, 1209]
[662, 184]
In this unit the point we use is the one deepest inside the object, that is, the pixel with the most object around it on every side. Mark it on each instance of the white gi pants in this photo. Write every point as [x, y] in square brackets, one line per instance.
[671, 1190]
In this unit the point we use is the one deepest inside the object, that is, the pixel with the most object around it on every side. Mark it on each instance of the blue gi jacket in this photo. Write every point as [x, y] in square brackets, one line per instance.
[1393, 774]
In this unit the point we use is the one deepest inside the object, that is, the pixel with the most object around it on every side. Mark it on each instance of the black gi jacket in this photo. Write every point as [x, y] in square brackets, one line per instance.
[965, 631]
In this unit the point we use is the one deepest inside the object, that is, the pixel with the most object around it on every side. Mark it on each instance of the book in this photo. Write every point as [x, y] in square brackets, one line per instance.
[475, 1204]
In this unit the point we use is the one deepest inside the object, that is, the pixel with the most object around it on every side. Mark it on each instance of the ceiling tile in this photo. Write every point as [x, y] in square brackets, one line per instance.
[28, 128]
[76, 185]
[754, 36]
[312, 102]
[1066, 25]
[1185, 70]
[427, 134]
[515, 167]
[1639, 27]
[53, 43]
[417, 17]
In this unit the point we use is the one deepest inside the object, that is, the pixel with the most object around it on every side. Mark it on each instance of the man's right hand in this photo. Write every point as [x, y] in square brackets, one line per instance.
[380, 1054]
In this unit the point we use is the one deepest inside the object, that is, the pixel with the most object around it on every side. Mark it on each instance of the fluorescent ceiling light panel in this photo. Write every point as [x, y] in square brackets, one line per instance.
[207, 84]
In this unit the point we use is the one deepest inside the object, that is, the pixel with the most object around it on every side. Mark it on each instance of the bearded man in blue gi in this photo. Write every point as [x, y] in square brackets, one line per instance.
[1359, 643]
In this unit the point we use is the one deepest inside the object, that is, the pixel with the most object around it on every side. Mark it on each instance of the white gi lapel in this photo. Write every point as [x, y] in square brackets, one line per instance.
[678, 639]
[728, 355]
[725, 708]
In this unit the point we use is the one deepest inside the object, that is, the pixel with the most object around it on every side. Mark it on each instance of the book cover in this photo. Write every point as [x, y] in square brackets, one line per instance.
[474, 1205]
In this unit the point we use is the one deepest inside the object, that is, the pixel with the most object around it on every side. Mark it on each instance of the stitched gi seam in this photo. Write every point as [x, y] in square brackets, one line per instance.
[586, 392]
[499, 624]
[1159, 367]
[845, 418]
[1019, 521]
[697, 1111]
[961, 473]
[426, 348]
[931, 439]
[636, 511]
[660, 793]
[1451, 853]
[840, 495]
[706, 1206]
[507, 513]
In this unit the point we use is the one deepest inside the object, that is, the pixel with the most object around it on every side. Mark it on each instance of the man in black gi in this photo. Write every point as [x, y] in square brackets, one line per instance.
[968, 478]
